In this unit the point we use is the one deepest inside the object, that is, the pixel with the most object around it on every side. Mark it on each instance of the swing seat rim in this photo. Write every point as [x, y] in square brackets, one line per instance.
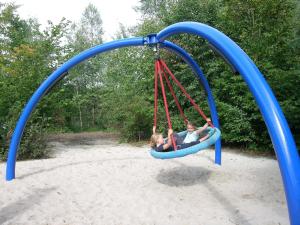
[215, 134]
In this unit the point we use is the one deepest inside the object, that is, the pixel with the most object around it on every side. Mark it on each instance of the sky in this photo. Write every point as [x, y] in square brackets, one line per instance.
[112, 12]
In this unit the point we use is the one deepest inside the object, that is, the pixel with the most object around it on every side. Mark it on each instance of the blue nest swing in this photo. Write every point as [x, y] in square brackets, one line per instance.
[214, 135]
[161, 73]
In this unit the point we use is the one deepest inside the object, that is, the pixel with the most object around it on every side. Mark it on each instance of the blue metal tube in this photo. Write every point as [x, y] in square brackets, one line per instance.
[48, 83]
[279, 131]
[197, 70]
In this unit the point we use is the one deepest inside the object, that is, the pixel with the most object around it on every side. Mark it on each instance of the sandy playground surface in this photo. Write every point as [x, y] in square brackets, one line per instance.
[96, 180]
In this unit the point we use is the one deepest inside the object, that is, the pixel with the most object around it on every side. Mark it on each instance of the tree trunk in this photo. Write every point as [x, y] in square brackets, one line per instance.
[93, 114]
[79, 109]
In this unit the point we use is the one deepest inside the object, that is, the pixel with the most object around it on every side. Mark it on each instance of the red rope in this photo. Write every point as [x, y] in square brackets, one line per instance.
[175, 98]
[155, 95]
[160, 70]
[184, 91]
[165, 101]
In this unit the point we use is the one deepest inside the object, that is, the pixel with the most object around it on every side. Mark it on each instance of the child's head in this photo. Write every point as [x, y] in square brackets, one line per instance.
[156, 139]
[190, 127]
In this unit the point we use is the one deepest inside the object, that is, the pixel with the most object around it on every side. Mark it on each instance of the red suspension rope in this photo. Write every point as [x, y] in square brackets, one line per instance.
[161, 70]
[165, 67]
[165, 101]
[155, 95]
[175, 98]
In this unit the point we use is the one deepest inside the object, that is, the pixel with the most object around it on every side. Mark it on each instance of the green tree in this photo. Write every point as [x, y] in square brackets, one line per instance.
[85, 78]
[266, 30]
[29, 55]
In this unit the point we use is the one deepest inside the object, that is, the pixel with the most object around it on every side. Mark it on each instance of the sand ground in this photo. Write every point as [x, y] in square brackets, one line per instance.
[99, 181]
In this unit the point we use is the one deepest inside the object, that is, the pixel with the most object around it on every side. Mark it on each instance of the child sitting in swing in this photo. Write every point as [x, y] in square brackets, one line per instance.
[192, 138]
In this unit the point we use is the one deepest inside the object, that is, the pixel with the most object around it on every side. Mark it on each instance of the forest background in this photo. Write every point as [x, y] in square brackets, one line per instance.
[114, 91]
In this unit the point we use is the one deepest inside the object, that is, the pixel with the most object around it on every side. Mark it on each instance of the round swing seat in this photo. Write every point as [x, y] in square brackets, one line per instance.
[214, 135]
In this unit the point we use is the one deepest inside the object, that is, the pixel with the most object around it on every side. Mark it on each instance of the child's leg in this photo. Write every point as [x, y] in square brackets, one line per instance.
[204, 138]
[178, 139]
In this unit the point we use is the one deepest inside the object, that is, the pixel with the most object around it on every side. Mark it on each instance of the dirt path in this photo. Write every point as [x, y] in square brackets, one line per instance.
[99, 181]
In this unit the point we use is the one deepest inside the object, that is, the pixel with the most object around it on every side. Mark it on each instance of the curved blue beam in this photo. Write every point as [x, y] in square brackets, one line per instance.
[212, 106]
[279, 131]
[47, 84]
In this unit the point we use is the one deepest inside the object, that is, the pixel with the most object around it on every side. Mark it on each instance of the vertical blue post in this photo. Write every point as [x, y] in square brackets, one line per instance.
[279, 131]
[212, 106]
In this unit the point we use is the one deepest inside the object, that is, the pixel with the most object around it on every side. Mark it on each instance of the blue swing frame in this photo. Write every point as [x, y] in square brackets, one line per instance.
[279, 131]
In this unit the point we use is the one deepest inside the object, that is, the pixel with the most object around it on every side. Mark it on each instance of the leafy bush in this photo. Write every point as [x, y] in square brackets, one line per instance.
[33, 145]
[138, 126]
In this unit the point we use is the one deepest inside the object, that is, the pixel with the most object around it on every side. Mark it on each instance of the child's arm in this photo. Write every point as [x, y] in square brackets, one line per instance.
[202, 129]
[169, 143]
[154, 129]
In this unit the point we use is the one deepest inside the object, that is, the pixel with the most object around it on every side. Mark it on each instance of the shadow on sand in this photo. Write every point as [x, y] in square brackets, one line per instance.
[187, 176]
[74, 164]
[20, 206]
[183, 176]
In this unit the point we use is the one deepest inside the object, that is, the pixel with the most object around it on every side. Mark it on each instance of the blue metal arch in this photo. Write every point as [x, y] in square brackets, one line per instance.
[197, 70]
[59, 74]
[279, 131]
[47, 84]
